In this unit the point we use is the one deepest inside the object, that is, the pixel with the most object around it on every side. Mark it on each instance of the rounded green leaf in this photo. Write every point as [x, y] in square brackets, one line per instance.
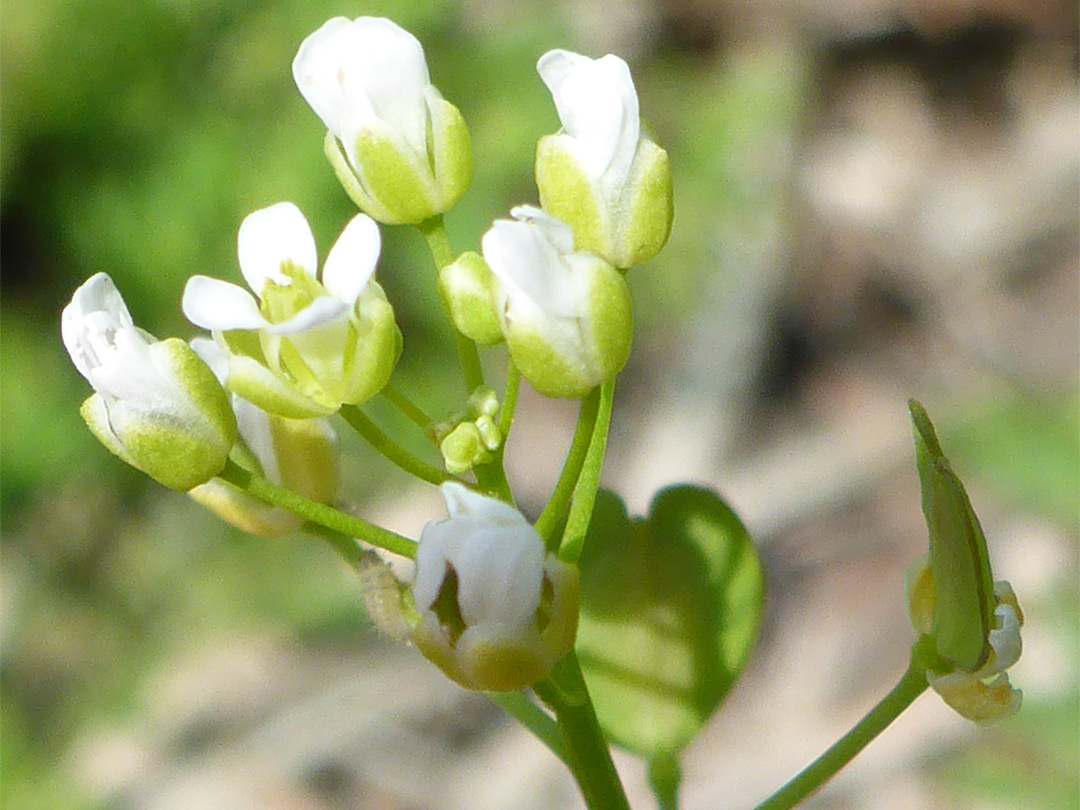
[670, 611]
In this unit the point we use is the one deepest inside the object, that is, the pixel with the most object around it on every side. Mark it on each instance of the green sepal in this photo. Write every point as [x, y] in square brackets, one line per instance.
[650, 207]
[184, 444]
[964, 586]
[451, 145]
[467, 289]
[569, 194]
[670, 611]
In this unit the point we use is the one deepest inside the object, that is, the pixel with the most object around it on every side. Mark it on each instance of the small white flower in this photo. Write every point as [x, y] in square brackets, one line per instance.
[407, 149]
[567, 316]
[496, 612]
[599, 174]
[157, 405]
[321, 343]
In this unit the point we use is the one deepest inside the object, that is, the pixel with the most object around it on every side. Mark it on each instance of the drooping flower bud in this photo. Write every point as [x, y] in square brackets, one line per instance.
[599, 175]
[974, 622]
[567, 317]
[496, 612]
[156, 404]
[400, 150]
[306, 346]
[468, 287]
[299, 454]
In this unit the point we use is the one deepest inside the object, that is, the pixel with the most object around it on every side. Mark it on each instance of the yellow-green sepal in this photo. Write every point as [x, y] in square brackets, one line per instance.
[964, 600]
[466, 286]
[650, 208]
[568, 192]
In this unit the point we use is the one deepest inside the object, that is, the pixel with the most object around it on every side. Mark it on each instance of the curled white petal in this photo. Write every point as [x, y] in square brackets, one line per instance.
[354, 73]
[351, 261]
[1005, 640]
[319, 312]
[462, 502]
[96, 309]
[271, 237]
[211, 354]
[598, 107]
[524, 259]
[220, 306]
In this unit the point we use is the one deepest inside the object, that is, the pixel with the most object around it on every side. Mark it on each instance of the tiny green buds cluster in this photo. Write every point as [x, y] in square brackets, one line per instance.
[496, 611]
[953, 598]
[307, 346]
[599, 175]
[472, 437]
[567, 316]
[156, 404]
[400, 150]
[300, 454]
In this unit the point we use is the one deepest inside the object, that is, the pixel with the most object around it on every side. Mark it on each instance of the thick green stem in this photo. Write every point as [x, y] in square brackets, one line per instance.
[581, 507]
[323, 515]
[509, 401]
[535, 719]
[391, 449]
[911, 685]
[410, 409]
[434, 231]
[568, 478]
[664, 778]
[588, 754]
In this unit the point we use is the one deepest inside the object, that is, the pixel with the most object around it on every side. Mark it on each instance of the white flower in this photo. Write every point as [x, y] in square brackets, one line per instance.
[298, 454]
[406, 150]
[319, 343]
[496, 612]
[599, 175]
[157, 405]
[567, 316]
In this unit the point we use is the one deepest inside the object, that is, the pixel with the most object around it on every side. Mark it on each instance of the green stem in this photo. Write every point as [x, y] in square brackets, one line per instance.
[434, 231]
[664, 778]
[509, 401]
[535, 719]
[912, 684]
[588, 755]
[343, 544]
[492, 476]
[410, 409]
[391, 449]
[581, 507]
[571, 471]
[323, 515]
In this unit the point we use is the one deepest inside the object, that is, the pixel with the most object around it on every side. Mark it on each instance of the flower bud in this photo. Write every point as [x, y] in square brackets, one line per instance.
[599, 175]
[496, 612]
[974, 622]
[567, 317]
[400, 150]
[299, 454]
[157, 405]
[467, 287]
[307, 346]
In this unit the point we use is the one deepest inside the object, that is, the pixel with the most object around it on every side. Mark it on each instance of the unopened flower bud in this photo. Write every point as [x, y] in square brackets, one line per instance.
[599, 175]
[496, 611]
[156, 404]
[400, 150]
[468, 287]
[567, 316]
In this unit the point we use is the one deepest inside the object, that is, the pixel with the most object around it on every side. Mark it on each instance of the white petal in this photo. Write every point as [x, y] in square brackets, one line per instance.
[271, 236]
[1005, 641]
[96, 306]
[211, 354]
[319, 312]
[464, 502]
[351, 261]
[500, 573]
[528, 264]
[318, 75]
[557, 232]
[220, 306]
[598, 106]
[253, 425]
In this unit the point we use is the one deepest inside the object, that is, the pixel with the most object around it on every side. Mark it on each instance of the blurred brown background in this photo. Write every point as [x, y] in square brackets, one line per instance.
[874, 200]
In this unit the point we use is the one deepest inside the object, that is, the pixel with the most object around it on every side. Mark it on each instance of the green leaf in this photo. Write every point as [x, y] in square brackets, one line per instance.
[670, 611]
[963, 583]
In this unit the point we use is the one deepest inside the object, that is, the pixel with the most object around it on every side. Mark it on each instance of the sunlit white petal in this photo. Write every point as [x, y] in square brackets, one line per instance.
[220, 306]
[351, 262]
[270, 237]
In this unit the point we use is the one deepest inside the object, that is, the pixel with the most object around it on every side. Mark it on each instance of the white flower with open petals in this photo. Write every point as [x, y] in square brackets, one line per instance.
[302, 347]
[598, 174]
[400, 150]
[496, 611]
[567, 316]
[156, 404]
